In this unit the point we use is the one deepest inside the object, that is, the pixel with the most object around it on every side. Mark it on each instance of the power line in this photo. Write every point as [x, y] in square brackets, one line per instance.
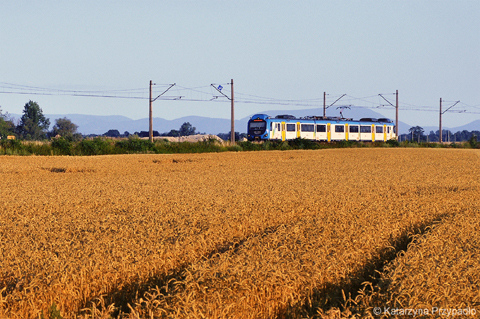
[136, 93]
[205, 94]
[75, 94]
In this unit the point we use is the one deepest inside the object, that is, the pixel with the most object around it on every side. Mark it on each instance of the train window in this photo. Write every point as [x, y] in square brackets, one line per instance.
[290, 127]
[308, 128]
[379, 129]
[339, 128]
[353, 128]
[258, 125]
[321, 128]
[365, 129]
[279, 127]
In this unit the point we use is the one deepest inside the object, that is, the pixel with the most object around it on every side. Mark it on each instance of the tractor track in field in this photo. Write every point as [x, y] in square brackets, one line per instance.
[169, 283]
[333, 295]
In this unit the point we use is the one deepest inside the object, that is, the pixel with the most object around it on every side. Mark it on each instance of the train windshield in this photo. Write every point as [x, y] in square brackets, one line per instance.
[260, 125]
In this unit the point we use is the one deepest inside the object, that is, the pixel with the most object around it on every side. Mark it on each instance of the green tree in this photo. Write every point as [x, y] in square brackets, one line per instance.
[416, 133]
[174, 133]
[33, 124]
[6, 125]
[112, 133]
[227, 136]
[65, 128]
[187, 129]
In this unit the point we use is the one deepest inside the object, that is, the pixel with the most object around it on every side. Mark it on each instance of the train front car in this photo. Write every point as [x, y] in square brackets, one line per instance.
[257, 127]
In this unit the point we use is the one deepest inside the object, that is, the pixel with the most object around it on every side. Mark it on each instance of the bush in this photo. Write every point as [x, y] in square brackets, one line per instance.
[134, 145]
[455, 145]
[62, 146]
[211, 145]
[343, 144]
[283, 146]
[379, 144]
[432, 145]
[393, 143]
[37, 148]
[268, 145]
[302, 143]
[206, 146]
[87, 147]
[249, 146]
[102, 146]
[96, 146]
[408, 144]
[473, 142]
[11, 147]
[234, 148]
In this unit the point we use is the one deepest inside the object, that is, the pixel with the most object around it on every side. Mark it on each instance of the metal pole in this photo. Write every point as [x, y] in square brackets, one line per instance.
[232, 124]
[324, 104]
[150, 134]
[396, 115]
[440, 123]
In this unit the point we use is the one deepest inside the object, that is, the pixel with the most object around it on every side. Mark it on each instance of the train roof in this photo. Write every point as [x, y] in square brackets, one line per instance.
[321, 118]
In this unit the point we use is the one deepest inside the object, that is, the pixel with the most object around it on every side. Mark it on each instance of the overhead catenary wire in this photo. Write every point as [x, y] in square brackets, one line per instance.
[136, 93]
[205, 94]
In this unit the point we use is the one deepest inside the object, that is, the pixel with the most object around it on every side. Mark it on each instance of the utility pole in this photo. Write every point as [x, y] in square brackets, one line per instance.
[396, 116]
[440, 122]
[232, 121]
[150, 117]
[232, 111]
[397, 132]
[324, 104]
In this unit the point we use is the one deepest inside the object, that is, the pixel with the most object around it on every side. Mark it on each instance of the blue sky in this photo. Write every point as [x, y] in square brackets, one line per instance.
[281, 55]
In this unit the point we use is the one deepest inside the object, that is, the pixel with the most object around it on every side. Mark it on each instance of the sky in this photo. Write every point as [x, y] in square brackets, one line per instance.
[98, 57]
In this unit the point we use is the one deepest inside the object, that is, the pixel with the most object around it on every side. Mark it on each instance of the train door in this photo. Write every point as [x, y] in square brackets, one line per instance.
[373, 132]
[384, 133]
[329, 134]
[274, 130]
[298, 130]
[346, 131]
[283, 131]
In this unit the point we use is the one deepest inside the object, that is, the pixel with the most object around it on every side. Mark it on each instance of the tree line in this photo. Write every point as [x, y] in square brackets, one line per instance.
[186, 129]
[33, 126]
[417, 134]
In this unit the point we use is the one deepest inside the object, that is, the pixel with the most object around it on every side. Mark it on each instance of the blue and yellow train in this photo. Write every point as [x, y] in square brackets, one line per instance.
[287, 127]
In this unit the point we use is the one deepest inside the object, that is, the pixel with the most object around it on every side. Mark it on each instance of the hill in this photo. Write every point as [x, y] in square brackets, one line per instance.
[97, 124]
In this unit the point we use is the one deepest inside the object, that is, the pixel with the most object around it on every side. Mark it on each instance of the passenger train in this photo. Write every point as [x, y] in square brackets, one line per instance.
[262, 127]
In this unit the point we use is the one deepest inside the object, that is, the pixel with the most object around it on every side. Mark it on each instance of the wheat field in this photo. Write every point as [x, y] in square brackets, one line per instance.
[273, 234]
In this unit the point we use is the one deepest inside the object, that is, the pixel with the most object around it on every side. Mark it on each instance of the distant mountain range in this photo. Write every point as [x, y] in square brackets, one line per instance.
[96, 124]
[472, 126]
